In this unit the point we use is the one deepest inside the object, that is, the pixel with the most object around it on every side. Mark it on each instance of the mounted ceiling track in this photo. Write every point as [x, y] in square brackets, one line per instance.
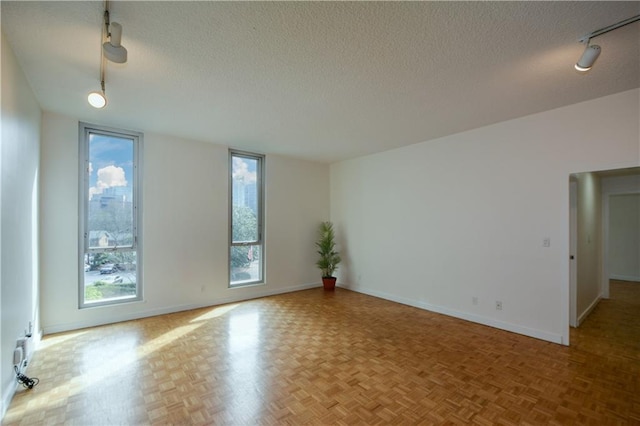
[592, 51]
[111, 49]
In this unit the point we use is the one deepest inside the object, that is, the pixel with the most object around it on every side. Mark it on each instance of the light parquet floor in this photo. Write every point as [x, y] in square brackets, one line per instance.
[313, 357]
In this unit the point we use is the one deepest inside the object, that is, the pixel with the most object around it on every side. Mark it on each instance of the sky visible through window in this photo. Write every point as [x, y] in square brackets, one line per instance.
[244, 169]
[110, 166]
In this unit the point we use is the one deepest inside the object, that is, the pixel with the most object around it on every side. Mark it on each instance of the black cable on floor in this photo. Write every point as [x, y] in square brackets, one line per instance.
[25, 381]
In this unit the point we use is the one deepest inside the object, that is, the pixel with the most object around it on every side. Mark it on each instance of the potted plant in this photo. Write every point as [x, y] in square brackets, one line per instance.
[329, 257]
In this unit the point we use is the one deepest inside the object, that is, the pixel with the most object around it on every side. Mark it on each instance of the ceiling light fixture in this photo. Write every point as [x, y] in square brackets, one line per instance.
[588, 58]
[592, 51]
[111, 49]
[98, 99]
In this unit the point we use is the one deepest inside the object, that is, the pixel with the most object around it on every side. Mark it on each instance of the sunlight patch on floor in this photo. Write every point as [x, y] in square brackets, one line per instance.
[215, 312]
[98, 364]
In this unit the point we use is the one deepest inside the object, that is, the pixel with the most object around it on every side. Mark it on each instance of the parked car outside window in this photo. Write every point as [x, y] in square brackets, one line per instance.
[108, 268]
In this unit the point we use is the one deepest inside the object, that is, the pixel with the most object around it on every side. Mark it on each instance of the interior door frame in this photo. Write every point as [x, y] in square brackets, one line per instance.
[606, 196]
[573, 258]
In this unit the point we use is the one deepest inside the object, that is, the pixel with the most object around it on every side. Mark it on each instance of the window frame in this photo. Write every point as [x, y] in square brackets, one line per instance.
[260, 184]
[85, 129]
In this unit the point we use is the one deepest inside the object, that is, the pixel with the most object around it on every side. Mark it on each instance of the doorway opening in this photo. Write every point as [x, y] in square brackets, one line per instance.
[594, 242]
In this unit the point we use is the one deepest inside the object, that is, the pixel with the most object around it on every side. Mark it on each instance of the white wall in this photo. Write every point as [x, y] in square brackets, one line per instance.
[435, 224]
[589, 248]
[185, 227]
[622, 243]
[19, 154]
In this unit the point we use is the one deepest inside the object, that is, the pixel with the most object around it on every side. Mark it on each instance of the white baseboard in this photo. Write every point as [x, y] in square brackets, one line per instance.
[8, 393]
[7, 396]
[587, 311]
[59, 328]
[624, 277]
[502, 325]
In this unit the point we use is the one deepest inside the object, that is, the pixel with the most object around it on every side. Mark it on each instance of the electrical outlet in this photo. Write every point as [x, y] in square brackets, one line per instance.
[498, 305]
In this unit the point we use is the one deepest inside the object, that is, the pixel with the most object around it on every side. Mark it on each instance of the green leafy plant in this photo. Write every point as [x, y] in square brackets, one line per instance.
[92, 293]
[245, 228]
[101, 290]
[329, 257]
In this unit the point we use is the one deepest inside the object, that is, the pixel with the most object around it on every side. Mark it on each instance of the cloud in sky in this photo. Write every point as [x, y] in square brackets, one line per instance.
[108, 177]
[241, 171]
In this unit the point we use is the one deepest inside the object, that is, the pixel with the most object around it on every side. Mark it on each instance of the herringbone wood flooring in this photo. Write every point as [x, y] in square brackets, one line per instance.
[313, 357]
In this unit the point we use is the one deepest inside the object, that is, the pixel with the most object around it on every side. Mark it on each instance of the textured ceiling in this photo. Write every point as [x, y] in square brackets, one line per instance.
[321, 80]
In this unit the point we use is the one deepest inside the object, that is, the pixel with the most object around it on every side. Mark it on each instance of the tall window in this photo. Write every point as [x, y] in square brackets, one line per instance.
[109, 216]
[246, 248]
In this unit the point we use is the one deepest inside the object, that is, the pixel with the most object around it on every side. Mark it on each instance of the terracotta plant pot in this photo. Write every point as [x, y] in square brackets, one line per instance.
[329, 283]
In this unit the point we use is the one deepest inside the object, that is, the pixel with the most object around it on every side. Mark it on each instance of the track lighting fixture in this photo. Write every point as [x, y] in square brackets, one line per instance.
[592, 51]
[97, 99]
[588, 57]
[110, 49]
